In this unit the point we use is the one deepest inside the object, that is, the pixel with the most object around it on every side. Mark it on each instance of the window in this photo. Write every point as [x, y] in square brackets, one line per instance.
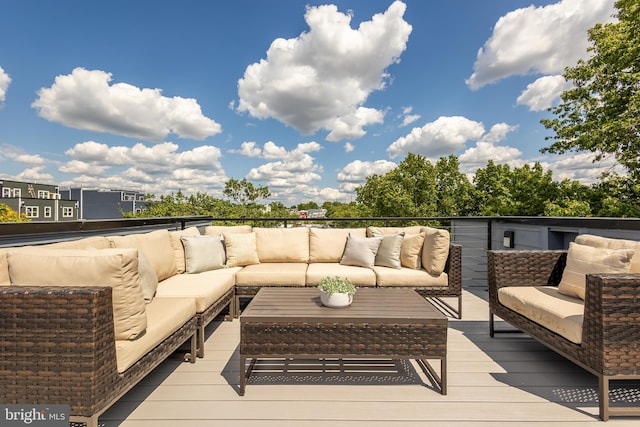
[32, 211]
[47, 211]
[6, 192]
[67, 212]
[43, 194]
[17, 192]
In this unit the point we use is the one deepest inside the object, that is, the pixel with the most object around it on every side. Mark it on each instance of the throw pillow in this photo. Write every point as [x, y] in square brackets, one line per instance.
[361, 251]
[148, 278]
[389, 251]
[583, 260]
[241, 249]
[203, 253]
[410, 250]
[436, 250]
[178, 247]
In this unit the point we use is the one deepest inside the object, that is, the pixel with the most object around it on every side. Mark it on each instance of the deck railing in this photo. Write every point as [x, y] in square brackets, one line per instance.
[475, 234]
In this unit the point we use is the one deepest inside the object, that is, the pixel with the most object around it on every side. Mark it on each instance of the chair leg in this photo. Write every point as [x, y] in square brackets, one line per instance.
[603, 396]
[491, 326]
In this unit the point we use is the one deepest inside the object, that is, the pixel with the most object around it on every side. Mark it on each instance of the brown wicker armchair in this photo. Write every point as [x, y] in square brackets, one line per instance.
[610, 347]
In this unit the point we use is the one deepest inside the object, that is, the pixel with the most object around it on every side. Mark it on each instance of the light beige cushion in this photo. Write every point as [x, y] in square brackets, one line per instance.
[117, 268]
[389, 277]
[361, 251]
[412, 229]
[203, 253]
[359, 276]
[212, 230]
[241, 249]
[435, 249]
[327, 244]
[547, 307]
[609, 243]
[148, 278]
[4, 267]
[166, 315]
[93, 242]
[410, 252]
[206, 287]
[582, 260]
[178, 249]
[282, 244]
[388, 254]
[273, 274]
[156, 246]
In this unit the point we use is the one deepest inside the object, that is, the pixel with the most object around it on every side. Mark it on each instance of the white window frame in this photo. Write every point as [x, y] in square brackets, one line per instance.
[17, 192]
[32, 211]
[47, 211]
[6, 192]
[43, 194]
[67, 212]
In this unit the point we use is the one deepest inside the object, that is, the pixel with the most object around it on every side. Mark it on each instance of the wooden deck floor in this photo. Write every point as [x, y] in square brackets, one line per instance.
[509, 380]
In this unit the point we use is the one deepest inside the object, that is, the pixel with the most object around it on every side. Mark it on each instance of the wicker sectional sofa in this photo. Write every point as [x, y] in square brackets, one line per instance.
[82, 322]
[583, 303]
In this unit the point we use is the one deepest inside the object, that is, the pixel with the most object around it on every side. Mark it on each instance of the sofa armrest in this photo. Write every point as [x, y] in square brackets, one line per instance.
[57, 346]
[525, 268]
[611, 326]
[453, 267]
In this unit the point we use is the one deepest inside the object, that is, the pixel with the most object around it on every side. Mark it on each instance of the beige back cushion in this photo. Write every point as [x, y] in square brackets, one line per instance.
[241, 249]
[117, 268]
[4, 267]
[178, 247]
[609, 243]
[583, 260]
[213, 230]
[156, 246]
[412, 229]
[435, 250]
[327, 244]
[93, 242]
[282, 244]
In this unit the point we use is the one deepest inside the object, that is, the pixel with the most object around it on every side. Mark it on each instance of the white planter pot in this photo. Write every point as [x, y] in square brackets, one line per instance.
[335, 300]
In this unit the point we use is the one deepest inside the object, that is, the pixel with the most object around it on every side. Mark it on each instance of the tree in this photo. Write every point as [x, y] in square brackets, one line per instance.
[453, 189]
[601, 112]
[244, 192]
[492, 194]
[9, 215]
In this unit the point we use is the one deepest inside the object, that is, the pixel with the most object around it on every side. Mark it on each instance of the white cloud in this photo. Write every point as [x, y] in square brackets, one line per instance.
[349, 147]
[541, 94]
[498, 132]
[358, 171]
[444, 136]
[5, 80]
[542, 39]
[407, 117]
[321, 79]
[34, 174]
[85, 99]
[248, 149]
[478, 156]
[18, 155]
[580, 167]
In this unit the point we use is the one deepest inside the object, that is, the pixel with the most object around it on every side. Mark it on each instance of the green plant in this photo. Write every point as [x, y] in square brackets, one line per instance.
[337, 285]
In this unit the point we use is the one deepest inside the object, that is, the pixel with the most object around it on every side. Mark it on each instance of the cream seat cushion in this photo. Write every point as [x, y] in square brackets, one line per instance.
[178, 248]
[583, 260]
[273, 274]
[360, 276]
[327, 244]
[4, 267]
[547, 307]
[388, 277]
[206, 287]
[156, 246]
[165, 316]
[282, 244]
[609, 243]
[117, 268]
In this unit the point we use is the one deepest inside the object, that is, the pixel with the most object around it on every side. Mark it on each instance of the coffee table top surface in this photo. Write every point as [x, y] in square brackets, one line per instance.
[374, 305]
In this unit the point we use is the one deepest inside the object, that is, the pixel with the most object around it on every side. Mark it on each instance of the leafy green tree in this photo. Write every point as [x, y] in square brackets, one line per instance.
[531, 187]
[308, 205]
[616, 197]
[9, 215]
[244, 192]
[453, 190]
[601, 112]
[492, 194]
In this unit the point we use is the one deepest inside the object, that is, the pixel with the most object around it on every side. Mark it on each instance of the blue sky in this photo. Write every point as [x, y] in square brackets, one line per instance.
[306, 97]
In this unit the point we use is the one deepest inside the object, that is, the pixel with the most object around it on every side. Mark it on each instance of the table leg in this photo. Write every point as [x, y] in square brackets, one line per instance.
[441, 379]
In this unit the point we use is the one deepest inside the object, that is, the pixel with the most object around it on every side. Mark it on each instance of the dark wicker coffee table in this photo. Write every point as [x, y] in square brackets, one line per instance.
[380, 324]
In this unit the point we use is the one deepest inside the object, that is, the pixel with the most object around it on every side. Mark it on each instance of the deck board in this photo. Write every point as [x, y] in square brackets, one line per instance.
[509, 381]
